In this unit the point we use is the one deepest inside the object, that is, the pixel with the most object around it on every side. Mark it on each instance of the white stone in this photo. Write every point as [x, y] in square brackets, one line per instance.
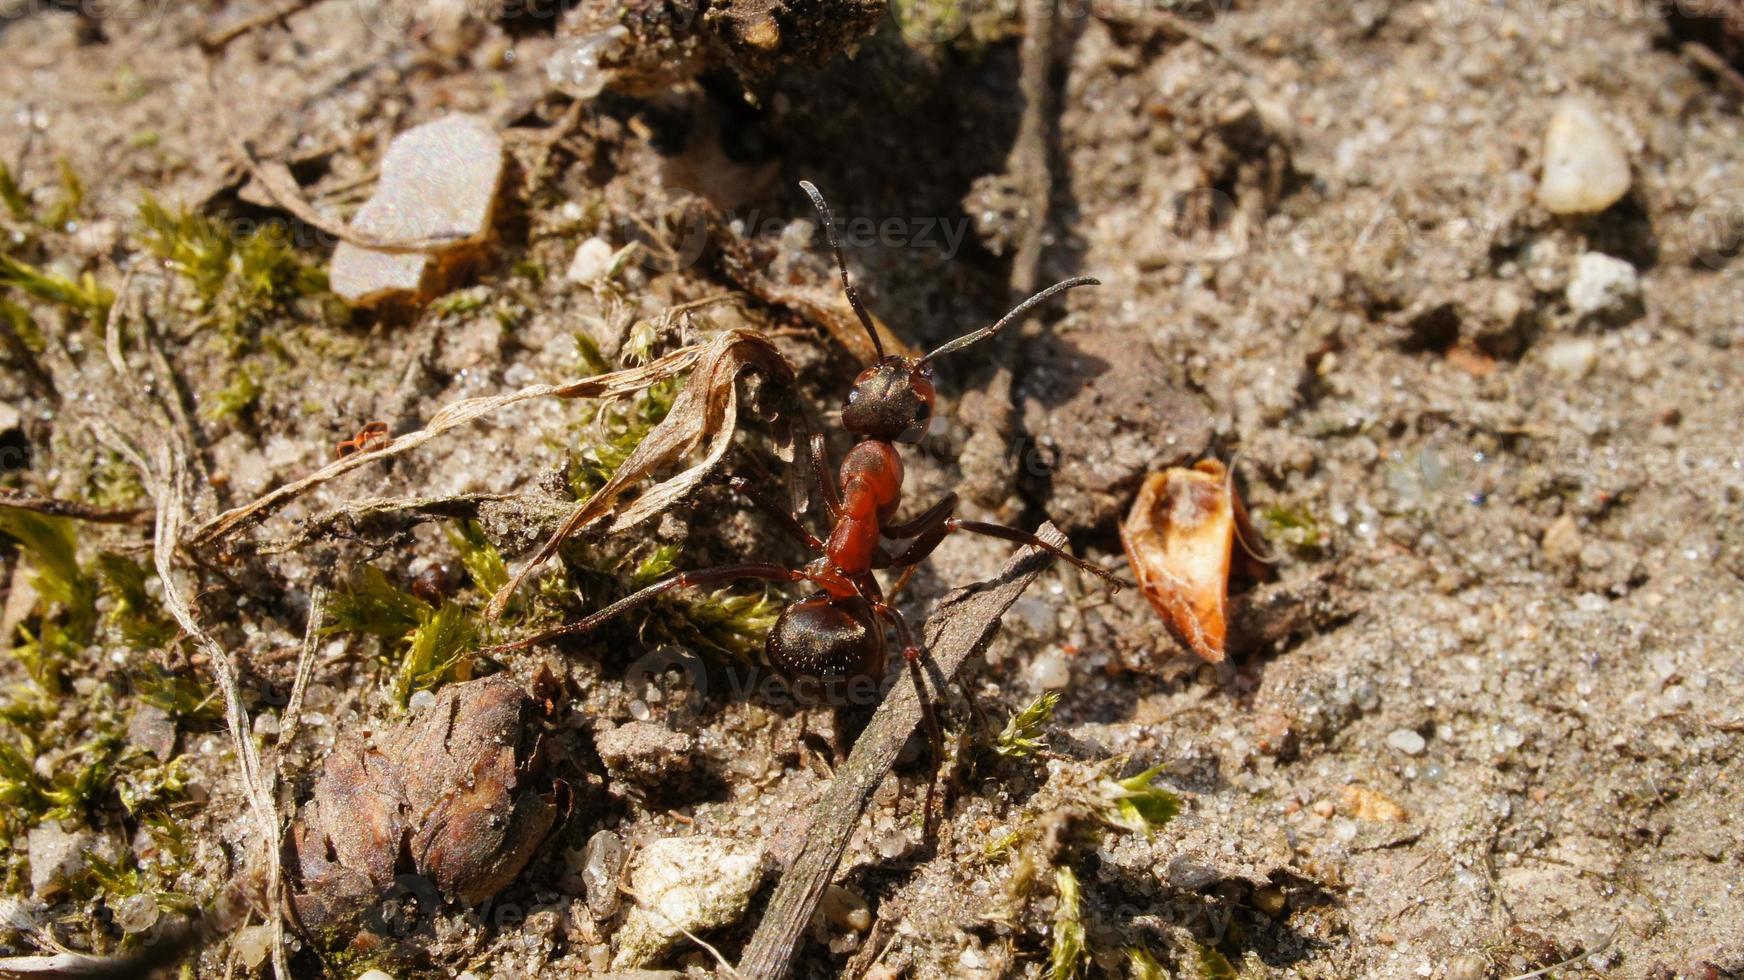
[55, 856]
[1407, 741]
[438, 181]
[1573, 358]
[1050, 670]
[685, 883]
[1603, 287]
[253, 944]
[1585, 168]
[592, 258]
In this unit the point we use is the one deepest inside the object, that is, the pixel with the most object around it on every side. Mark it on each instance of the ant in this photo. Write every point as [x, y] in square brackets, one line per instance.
[372, 435]
[835, 634]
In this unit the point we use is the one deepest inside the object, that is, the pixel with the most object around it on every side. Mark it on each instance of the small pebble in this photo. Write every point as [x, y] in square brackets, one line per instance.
[1585, 168]
[845, 910]
[1270, 900]
[1574, 358]
[253, 944]
[592, 258]
[602, 862]
[685, 884]
[1604, 288]
[137, 913]
[1050, 670]
[1407, 741]
[375, 975]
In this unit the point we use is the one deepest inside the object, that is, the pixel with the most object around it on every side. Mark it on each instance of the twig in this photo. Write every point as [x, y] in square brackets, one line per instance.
[448, 417]
[276, 179]
[76, 509]
[964, 622]
[1703, 55]
[217, 39]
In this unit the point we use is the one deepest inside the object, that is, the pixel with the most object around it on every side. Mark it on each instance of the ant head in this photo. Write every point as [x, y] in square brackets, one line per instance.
[892, 400]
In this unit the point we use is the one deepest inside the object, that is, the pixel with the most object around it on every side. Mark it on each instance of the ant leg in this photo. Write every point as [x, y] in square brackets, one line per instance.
[679, 580]
[779, 514]
[911, 655]
[826, 479]
[946, 506]
[1029, 538]
[927, 538]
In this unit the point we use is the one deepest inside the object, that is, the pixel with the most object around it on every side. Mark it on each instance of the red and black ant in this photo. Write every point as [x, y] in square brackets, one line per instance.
[834, 634]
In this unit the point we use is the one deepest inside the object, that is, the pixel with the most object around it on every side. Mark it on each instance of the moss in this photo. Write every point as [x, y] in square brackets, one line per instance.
[1023, 734]
[237, 277]
[1294, 527]
[1141, 965]
[13, 197]
[135, 615]
[85, 296]
[428, 646]
[478, 556]
[235, 398]
[184, 697]
[1064, 960]
[1214, 965]
[66, 615]
[1135, 804]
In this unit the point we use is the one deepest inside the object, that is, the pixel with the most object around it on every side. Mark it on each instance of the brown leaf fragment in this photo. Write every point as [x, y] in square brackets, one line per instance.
[455, 793]
[1182, 538]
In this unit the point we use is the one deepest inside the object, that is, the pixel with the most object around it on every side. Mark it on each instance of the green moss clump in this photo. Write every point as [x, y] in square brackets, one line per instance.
[237, 277]
[1068, 947]
[84, 296]
[1024, 731]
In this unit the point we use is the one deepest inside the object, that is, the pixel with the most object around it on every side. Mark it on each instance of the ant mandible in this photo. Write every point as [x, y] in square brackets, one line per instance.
[834, 634]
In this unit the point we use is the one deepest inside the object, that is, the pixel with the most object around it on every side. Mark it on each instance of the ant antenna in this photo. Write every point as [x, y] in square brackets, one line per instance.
[1022, 308]
[823, 210]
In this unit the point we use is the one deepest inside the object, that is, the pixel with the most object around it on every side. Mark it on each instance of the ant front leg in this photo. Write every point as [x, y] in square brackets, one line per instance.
[775, 512]
[911, 655]
[825, 476]
[936, 523]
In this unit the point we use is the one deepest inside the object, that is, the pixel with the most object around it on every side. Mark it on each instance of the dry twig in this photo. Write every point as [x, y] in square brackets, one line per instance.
[454, 415]
[76, 509]
[964, 622]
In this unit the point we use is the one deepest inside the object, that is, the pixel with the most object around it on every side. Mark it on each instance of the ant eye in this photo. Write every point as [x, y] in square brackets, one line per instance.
[853, 394]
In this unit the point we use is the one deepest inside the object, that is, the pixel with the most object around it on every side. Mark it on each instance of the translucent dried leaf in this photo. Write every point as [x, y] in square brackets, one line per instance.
[1182, 538]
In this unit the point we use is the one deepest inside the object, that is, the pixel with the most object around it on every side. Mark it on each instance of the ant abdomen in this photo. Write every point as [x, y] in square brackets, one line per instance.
[817, 637]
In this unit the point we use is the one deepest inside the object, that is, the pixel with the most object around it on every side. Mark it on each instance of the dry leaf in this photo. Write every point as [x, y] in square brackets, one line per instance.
[454, 793]
[703, 417]
[1182, 537]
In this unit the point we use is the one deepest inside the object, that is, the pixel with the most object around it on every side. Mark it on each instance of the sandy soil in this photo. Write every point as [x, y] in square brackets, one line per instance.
[1495, 724]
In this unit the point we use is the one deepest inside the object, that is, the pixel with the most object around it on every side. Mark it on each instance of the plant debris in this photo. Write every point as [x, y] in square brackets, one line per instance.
[456, 793]
[1182, 537]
